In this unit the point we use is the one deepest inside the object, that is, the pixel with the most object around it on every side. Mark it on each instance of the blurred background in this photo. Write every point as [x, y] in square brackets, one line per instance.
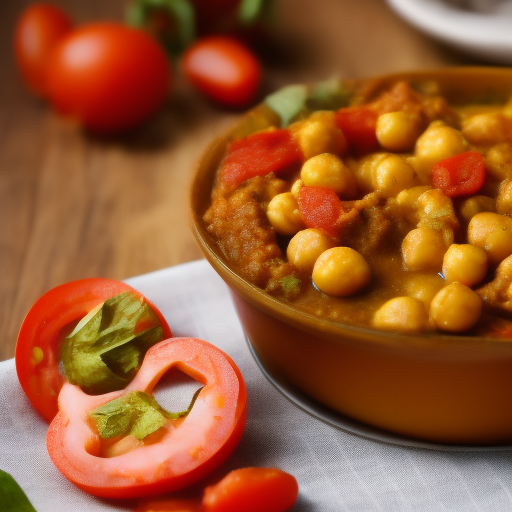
[76, 205]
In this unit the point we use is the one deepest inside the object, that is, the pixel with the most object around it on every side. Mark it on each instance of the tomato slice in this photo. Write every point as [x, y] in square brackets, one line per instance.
[358, 124]
[184, 452]
[260, 154]
[459, 175]
[51, 319]
[320, 208]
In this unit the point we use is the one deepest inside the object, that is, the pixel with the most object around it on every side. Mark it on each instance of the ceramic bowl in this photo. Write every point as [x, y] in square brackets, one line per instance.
[432, 387]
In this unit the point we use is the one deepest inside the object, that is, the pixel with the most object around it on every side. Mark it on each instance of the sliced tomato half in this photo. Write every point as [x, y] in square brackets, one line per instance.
[48, 322]
[180, 452]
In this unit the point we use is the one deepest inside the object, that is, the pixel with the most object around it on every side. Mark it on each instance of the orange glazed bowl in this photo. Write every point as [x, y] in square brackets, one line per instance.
[433, 387]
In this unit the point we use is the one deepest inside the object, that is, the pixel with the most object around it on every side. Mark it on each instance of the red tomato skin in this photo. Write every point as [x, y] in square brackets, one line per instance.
[320, 208]
[108, 76]
[223, 69]
[260, 154]
[107, 478]
[252, 490]
[459, 175]
[170, 505]
[50, 319]
[38, 30]
[358, 125]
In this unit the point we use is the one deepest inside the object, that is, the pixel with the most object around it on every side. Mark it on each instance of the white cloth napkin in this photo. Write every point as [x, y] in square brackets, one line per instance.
[336, 470]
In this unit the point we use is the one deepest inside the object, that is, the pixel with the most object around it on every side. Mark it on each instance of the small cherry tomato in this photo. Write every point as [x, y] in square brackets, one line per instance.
[358, 124]
[252, 490]
[459, 175]
[108, 76]
[223, 69]
[49, 321]
[39, 28]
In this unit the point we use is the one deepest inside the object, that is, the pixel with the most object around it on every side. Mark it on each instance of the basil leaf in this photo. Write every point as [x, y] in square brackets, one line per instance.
[294, 102]
[12, 497]
[104, 354]
[136, 413]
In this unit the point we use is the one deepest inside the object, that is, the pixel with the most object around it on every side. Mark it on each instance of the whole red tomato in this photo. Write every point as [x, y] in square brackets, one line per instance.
[39, 28]
[108, 76]
[223, 69]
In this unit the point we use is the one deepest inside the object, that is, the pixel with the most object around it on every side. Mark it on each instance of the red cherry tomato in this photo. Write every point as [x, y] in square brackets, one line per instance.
[259, 154]
[223, 69]
[39, 28]
[50, 319]
[180, 453]
[252, 490]
[358, 125]
[108, 76]
[459, 175]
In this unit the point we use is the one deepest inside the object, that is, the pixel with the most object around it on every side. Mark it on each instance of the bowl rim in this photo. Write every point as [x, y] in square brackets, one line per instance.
[205, 175]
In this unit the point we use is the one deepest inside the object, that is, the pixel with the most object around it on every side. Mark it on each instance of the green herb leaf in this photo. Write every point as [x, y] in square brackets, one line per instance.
[12, 497]
[170, 21]
[136, 413]
[294, 102]
[288, 102]
[290, 285]
[104, 353]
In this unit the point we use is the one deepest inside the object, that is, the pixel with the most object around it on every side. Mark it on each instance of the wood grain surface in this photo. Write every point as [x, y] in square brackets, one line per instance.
[75, 206]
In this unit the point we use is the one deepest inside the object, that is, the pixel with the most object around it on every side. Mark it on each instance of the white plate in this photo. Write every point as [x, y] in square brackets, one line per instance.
[482, 28]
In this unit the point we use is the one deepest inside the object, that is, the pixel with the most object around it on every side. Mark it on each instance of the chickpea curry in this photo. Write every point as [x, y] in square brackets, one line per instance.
[390, 209]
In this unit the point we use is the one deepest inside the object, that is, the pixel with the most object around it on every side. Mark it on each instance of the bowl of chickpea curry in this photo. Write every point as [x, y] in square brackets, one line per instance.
[364, 229]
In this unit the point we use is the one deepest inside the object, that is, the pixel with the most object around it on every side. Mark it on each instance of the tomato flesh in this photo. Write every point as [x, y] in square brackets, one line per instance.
[50, 319]
[108, 76]
[183, 453]
[358, 125]
[260, 154]
[39, 29]
[320, 208]
[223, 69]
[252, 490]
[459, 175]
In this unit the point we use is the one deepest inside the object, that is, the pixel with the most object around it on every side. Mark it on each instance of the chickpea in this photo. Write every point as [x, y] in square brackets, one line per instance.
[410, 196]
[424, 287]
[456, 308]
[341, 271]
[436, 210]
[464, 263]
[306, 246]
[504, 199]
[364, 171]
[486, 128]
[476, 204]
[295, 190]
[423, 249]
[493, 233]
[401, 314]
[498, 161]
[319, 134]
[437, 143]
[284, 214]
[327, 170]
[397, 131]
[391, 175]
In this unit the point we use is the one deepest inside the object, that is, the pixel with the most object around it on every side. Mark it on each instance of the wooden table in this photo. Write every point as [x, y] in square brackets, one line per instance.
[75, 206]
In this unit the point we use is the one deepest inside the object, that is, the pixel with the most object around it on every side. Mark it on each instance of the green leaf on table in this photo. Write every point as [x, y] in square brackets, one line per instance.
[104, 352]
[172, 22]
[250, 11]
[136, 413]
[12, 497]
